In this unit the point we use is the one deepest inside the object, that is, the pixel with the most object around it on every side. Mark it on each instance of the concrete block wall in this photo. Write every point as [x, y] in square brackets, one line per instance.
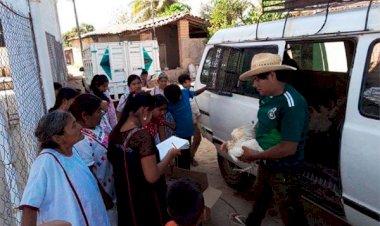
[45, 20]
[193, 51]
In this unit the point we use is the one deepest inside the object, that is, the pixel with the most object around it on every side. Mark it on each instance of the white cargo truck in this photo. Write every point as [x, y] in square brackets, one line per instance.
[118, 60]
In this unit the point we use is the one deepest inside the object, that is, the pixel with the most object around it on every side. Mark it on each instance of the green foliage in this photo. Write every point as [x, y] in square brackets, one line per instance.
[228, 13]
[254, 16]
[232, 13]
[142, 9]
[84, 28]
[175, 8]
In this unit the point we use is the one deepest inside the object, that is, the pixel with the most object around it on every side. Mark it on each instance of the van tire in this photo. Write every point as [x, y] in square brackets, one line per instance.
[236, 180]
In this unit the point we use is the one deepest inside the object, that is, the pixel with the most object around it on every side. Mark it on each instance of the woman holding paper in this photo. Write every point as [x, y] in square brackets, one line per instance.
[138, 171]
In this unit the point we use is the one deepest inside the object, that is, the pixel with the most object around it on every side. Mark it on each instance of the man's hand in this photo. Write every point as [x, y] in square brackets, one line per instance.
[224, 147]
[249, 155]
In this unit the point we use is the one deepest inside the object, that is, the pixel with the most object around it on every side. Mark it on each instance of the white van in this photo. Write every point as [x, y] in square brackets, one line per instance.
[338, 56]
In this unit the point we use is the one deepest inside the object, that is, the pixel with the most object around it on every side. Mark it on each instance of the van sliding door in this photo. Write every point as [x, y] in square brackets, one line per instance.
[360, 149]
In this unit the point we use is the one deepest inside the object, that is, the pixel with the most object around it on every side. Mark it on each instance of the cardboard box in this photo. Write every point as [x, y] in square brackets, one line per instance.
[210, 194]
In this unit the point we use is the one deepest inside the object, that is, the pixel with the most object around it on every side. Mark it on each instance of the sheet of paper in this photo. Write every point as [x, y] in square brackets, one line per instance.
[170, 143]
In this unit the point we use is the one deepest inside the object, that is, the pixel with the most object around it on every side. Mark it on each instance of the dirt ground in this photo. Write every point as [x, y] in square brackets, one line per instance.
[233, 201]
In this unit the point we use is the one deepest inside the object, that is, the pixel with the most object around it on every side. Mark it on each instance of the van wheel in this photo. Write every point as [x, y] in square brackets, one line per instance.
[234, 179]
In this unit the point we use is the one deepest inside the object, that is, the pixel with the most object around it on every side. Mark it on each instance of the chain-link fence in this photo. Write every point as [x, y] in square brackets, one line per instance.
[57, 60]
[21, 106]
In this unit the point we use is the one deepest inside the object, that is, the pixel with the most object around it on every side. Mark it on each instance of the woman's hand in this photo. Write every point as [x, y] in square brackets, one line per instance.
[174, 152]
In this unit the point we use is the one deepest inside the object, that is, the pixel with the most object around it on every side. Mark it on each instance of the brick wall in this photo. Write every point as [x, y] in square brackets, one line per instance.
[130, 37]
[85, 41]
[108, 38]
[190, 49]
[183, 38]
[146, 36]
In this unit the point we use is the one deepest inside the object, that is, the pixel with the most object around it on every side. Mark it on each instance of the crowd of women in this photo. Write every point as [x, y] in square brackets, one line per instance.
[99, 165]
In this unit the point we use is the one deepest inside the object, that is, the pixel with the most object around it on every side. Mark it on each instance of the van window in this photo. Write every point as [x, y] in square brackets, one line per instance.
[370, 93]
[206, 67]
[223, 66]
[323, 69]
[320, 56]
[245, 88]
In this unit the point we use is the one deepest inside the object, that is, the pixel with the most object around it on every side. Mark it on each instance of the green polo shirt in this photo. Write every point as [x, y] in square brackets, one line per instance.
[283, 118]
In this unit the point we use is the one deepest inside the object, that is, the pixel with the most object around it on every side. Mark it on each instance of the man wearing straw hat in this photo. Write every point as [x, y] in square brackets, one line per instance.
[281, 131]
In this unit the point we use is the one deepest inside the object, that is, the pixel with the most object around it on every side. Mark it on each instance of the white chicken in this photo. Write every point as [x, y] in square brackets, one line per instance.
[242, 136]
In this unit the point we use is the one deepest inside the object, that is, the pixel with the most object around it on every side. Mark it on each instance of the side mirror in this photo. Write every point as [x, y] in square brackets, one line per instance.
[81, 69]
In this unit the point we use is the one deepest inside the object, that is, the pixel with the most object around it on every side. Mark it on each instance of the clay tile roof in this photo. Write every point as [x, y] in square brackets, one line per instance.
[136, 27]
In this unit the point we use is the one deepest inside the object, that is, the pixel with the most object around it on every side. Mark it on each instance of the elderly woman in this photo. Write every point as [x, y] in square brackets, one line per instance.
[60, 185]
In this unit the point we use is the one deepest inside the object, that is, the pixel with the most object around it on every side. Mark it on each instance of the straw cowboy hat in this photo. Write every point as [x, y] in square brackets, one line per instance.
[264, 62]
